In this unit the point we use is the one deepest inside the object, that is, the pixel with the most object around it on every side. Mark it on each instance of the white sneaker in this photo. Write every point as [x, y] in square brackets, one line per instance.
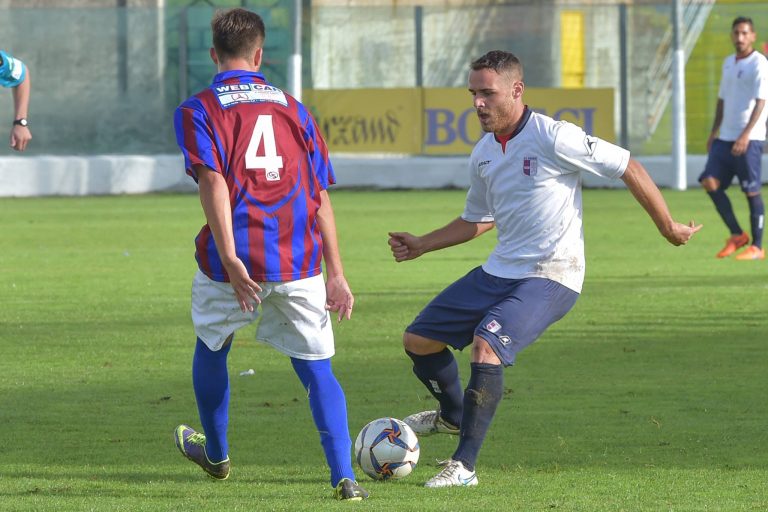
[427, 423]
[453, 474]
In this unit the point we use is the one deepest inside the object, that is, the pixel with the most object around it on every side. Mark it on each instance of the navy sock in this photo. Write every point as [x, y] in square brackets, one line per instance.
[440, 374]
[724, 208]
[329, 410]
[210, 381]
[482, 397]
[757, 218]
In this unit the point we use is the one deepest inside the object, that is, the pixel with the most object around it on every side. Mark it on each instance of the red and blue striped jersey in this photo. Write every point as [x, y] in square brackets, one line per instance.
[275, 162]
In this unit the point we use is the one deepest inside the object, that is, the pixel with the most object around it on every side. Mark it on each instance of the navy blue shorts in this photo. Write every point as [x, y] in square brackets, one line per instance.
[509, 314]
[723, 166]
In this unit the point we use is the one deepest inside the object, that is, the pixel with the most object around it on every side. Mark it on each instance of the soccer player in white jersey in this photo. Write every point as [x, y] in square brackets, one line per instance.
[740, 119]
[525, 179]
[15, 74]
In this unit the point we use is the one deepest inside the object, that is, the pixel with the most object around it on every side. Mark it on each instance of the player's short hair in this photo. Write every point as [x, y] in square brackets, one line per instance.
[501, 62]
[743, 19]
[237, 33]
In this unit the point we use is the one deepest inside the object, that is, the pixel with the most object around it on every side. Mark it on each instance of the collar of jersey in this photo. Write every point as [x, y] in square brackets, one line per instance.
[238, 73]
[523, 122]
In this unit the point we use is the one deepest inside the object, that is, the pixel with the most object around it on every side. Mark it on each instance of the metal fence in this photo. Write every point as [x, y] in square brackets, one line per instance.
[106, 80]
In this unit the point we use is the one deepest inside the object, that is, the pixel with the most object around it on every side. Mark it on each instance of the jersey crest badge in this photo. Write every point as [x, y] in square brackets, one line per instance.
[493, 326]
[530, 165]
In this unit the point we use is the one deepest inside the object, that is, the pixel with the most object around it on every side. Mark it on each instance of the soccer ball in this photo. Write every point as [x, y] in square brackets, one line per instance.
[387, 449]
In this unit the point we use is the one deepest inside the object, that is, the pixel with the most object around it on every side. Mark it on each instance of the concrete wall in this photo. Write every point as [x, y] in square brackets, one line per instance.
[22, 176]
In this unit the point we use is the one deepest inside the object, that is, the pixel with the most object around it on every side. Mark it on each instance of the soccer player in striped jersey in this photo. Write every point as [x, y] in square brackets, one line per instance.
[262, 168]
[525, 180]
[15, 74]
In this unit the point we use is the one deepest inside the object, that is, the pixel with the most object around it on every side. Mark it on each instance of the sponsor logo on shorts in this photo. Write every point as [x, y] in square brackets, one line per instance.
[505, 340]
[483, 163]
[273, 175]
[493, 326]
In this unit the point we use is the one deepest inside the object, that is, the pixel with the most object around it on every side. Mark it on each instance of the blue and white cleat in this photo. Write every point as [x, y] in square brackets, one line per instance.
[454, 474]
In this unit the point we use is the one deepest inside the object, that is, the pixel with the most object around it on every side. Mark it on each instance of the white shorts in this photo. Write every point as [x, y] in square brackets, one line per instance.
[294, 319]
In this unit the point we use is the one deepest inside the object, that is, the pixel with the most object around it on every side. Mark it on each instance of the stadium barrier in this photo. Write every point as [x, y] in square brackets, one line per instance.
[27, 176]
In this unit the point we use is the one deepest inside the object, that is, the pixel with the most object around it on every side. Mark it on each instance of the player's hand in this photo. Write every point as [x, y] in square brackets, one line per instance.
[405, 246]
[740, 146]
[20, 137]
[680, 234]
[246, 290]
[338, 297]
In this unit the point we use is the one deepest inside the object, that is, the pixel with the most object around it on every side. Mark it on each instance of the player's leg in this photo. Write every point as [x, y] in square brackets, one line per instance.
[210, 380]
[212, 315]
[531, 306]
[448, 320]
[751, 182]
[435, 366]
[716, 178]
[329, 411]
[296, 323]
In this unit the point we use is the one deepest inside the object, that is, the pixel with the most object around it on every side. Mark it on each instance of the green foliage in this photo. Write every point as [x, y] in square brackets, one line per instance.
[650, 395]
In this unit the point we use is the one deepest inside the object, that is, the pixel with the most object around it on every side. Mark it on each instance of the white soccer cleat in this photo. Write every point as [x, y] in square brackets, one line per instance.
[427, 423]
[454, 474]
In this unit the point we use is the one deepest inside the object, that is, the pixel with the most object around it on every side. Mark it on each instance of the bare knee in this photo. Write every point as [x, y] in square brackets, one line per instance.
[710, 184]
[483, 353]
[420, 345]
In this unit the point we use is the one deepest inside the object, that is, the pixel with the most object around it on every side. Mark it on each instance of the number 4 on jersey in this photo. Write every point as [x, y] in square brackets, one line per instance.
[271, 162]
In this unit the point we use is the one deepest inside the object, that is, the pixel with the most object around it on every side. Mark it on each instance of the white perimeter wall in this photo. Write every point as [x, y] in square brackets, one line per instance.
[25, 176]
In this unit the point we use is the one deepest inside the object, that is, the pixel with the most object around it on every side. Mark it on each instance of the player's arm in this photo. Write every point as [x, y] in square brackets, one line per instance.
[646, 192]
[741, 144]
[20, 135]
[339, 297]
[716, 123]
[406, 246]
[214, 197]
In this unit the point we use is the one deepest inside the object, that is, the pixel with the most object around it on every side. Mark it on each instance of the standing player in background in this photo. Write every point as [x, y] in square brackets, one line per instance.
[740, 118]
[263, 169]
[14, 74]
[525, 179]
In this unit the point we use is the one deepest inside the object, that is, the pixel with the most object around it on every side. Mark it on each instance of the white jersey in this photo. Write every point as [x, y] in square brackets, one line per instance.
[532, 191]
[743, 81]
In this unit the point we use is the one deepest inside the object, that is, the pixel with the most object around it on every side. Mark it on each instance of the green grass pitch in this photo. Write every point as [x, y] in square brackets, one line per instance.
[650, 395]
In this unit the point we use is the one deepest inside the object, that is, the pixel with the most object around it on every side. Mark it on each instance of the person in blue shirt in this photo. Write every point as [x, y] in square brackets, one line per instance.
[14, 74]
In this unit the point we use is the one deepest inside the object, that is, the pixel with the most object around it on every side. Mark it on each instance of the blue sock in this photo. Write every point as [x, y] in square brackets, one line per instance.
[757, 218]
[329, 410]
[724, 208]
[483, 394]
[211, 383]
[440, 374]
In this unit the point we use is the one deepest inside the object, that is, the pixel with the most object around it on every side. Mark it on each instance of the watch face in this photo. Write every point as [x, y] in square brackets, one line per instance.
[22, 122]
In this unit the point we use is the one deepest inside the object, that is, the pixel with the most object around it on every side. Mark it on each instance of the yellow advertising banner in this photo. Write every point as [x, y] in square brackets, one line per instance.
[438, 121]
[451, 126]
[368, 120]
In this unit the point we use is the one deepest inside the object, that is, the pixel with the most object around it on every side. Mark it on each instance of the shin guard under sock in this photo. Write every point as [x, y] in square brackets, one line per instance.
[440, 374]
[210, 381]
[329, 410]
[481, 398]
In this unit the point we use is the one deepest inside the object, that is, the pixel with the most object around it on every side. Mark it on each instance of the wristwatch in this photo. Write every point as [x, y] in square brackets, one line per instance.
[21, 122]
